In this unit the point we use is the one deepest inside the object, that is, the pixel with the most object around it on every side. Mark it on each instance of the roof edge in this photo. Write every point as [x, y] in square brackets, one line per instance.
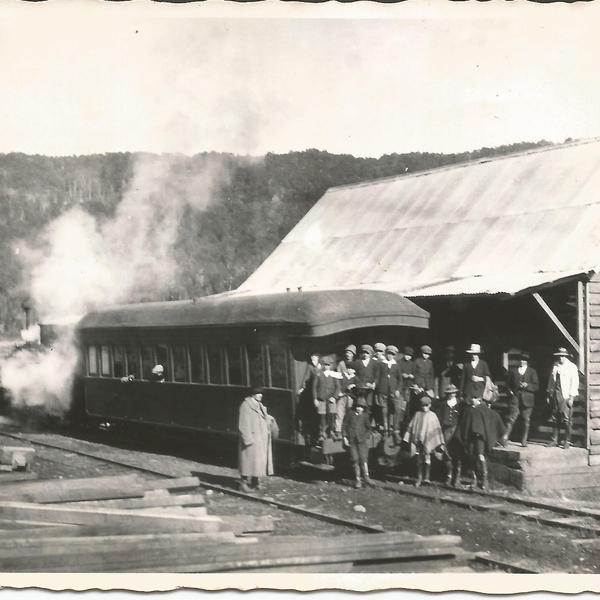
[466, 163]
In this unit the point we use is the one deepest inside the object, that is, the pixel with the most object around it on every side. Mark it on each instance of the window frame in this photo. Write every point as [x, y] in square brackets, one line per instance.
[108, 360]
[96, 372]
[222, 364]
[123, 360]
[286, 354]
[137, 351]
[186, 363]
[241, 352]
[203, 361]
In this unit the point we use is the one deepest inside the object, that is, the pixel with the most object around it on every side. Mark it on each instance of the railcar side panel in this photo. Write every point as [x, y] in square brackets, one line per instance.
[190, 406]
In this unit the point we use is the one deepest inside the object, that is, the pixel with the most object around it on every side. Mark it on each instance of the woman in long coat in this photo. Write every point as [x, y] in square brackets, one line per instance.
[255, 447]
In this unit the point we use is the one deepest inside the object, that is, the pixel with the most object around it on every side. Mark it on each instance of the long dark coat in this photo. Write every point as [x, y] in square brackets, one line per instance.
[424, 375]
[470, 388]
[524, 398]
[479, 422]
[255, 448]
[406, 367]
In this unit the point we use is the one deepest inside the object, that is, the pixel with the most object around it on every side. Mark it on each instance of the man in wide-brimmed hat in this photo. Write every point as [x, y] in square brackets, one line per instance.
[563, 388]
[523, 383]
[474, 374]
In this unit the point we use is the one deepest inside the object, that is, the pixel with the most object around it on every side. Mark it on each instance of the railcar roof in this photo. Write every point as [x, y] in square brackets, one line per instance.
[322, 312]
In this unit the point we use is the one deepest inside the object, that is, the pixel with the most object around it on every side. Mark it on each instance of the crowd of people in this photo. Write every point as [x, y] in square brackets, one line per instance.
[448, 414]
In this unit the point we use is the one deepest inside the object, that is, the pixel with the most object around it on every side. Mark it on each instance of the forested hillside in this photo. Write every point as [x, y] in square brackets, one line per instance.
[251, 204]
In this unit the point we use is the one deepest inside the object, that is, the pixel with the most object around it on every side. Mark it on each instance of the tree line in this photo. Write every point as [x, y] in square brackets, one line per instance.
[254, 202]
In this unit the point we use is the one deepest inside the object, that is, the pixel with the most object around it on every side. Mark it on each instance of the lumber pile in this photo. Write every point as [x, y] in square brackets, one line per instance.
[126, 523]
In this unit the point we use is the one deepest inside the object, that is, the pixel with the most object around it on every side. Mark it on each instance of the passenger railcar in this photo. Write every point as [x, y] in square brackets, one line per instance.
[214, 348]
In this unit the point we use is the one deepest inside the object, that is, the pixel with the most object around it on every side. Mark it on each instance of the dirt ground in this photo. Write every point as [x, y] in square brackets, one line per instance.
[542, 548]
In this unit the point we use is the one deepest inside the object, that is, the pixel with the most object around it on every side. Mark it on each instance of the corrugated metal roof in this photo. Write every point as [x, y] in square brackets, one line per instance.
[491, 225]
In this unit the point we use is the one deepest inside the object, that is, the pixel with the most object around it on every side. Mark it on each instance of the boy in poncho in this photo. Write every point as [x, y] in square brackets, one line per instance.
[424, 434]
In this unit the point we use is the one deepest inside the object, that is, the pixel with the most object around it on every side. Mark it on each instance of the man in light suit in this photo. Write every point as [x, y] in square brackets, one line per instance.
[523, 383]
[563, 388]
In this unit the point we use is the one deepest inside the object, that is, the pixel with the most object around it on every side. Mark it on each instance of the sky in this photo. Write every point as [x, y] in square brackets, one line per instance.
[85, 76]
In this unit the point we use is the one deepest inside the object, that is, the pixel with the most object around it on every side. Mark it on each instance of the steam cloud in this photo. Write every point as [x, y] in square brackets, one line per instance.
[80, 264]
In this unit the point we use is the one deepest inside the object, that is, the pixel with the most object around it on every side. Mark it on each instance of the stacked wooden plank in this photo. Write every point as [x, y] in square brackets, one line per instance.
[129, 524]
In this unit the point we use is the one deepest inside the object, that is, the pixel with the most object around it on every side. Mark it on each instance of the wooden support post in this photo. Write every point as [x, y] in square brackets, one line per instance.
[581, 325]
[585, 344]
[556, 321]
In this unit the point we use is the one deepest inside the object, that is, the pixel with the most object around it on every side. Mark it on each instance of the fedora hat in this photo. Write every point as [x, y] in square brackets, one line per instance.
[474, 349]
[561, 352]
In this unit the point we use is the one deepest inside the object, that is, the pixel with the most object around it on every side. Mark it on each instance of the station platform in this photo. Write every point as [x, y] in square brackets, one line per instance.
[537, 467]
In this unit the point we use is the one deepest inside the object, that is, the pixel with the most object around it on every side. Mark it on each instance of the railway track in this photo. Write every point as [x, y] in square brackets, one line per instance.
[465, 499]
[582, 520]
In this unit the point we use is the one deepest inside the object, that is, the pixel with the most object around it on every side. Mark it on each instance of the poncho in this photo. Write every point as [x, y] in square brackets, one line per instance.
[424, 428]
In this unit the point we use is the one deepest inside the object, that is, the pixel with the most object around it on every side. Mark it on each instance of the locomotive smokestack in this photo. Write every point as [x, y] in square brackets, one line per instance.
[26, 306]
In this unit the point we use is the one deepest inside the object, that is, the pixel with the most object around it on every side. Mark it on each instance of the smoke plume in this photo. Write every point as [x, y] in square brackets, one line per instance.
[80, 263]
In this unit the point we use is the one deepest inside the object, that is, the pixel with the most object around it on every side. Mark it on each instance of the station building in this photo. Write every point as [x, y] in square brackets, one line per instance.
[504, 252]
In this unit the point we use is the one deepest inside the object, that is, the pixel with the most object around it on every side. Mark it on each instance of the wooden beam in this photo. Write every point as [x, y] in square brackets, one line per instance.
[148, 501]
[108, 517]
[556, 321]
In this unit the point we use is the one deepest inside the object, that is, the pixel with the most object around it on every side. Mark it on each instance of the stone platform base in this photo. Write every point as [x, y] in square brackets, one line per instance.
[537, 468]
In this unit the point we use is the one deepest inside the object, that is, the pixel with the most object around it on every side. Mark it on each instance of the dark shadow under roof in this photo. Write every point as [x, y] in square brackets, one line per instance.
[317, 312]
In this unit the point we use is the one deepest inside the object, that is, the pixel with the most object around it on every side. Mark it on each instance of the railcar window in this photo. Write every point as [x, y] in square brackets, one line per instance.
[198, 364]
[133, 361]
[162, 358]
[92, 360]
[180, 363]
[147, 361]
[256, 370]
[234, 362]
[105, 361]
[279, 366]
[215, 365]
[118, 361]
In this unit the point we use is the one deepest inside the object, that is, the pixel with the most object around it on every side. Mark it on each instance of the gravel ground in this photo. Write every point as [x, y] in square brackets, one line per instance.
[514, 539]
